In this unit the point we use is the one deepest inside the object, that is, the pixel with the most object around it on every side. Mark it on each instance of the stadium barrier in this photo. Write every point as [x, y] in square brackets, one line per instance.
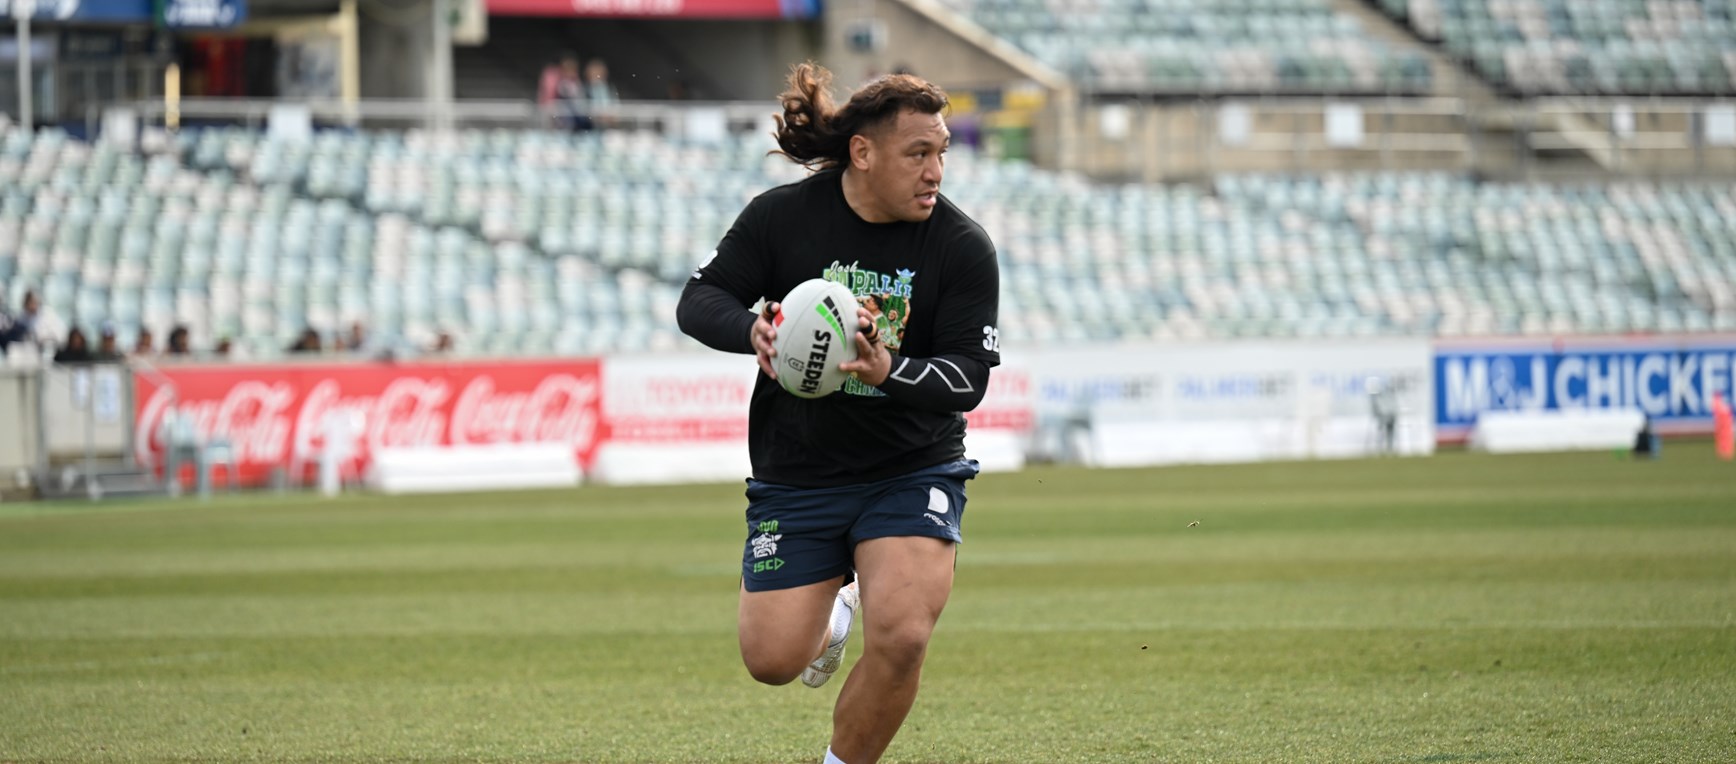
[623, 420]
[275, 416]
[1150, 138]
[1154, 139]
[1507, 432]
[694, 119]
[674, 419]
[498, 466]
[22, 451]
[83, 411]
[1135, 405]
[682, 417]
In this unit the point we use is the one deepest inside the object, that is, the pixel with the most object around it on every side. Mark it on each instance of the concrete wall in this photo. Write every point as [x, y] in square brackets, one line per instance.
[714, 60]
[1153, 141]
[737, 60]
[912, 40]
[396, 50]
[1170, 140]
[20, 426]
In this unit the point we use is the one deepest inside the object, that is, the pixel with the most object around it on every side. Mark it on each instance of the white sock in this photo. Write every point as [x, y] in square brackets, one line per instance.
[832, 758]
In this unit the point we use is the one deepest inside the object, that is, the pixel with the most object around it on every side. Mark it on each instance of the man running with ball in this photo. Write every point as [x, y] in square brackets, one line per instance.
[856, 498]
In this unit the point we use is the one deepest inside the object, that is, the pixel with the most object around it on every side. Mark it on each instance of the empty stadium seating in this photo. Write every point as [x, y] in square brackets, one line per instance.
[1188, 46]
[528, 243]
[1586, 46]
[1356, 254]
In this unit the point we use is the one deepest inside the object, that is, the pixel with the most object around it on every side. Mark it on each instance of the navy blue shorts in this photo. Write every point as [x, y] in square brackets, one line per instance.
[800, 536]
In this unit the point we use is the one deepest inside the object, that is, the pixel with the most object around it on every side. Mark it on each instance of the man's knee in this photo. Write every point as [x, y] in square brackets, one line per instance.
[774, 669]
[902, 646]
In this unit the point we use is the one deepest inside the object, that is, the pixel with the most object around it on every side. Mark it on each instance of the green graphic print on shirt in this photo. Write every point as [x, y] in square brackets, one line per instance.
[887, 298]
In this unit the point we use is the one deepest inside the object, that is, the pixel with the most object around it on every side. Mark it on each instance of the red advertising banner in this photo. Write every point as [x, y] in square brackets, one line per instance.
[687, 9]
[276, 416]
[1008, 404]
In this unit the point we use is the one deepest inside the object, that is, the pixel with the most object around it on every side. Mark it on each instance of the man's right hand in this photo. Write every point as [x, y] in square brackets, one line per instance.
[763, 335]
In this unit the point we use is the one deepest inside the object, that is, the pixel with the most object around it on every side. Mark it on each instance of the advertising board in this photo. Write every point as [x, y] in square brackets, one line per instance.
[1670, 380]
[277, 416]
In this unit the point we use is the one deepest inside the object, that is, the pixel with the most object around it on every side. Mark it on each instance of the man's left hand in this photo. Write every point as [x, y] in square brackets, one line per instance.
[873, 361]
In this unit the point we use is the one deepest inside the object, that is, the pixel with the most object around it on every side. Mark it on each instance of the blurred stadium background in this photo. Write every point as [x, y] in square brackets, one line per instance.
[410, 246]
[1229, 231]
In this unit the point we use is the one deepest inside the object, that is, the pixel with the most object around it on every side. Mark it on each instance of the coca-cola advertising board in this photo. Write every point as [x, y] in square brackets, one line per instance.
[275, 416]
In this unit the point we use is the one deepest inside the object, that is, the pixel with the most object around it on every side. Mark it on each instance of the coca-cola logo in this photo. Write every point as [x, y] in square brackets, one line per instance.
[406, 413]
[254, 415]
[560, 410]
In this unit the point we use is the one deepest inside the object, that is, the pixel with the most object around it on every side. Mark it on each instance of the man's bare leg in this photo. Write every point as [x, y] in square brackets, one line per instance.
[783, 630]
[905, 582]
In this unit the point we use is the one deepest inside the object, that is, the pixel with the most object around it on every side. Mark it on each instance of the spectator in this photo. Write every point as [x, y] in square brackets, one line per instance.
[76, 349]
[356, 340]
[547, 83]
[34, 324]
[146, 345]
[600, 95]
[180, 343]
[308, 342]
[107, 348]
[560, 90]
[1383, 404]
[442, 344]
[362, 344]
[224, 348]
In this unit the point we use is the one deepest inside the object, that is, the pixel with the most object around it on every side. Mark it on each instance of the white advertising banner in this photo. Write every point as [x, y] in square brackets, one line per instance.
[675, 418]
[1130, 405]
[997, 432]
[683, 418]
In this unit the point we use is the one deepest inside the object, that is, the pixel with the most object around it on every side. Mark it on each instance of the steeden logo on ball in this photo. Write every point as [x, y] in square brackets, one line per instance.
[812, 340]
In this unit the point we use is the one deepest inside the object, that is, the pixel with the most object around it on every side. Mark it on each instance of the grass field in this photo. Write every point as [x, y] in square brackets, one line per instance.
[1462, 608]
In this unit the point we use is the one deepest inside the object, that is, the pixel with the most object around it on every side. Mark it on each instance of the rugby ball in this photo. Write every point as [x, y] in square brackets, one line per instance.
[815, 324]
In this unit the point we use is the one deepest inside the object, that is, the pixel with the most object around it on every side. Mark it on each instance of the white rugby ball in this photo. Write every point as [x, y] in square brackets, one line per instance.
[815, 324]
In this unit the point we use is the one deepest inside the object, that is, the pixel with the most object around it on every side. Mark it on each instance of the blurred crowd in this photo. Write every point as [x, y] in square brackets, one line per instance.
[578, 99]
[35, 332]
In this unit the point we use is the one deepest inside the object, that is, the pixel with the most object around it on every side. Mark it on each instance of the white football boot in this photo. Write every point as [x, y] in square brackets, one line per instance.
[843, 614]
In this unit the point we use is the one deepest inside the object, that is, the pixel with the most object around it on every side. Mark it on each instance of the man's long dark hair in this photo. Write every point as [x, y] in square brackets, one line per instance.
[816, 135]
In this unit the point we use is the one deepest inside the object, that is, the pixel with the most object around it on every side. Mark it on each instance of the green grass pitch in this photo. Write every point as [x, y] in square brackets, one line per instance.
[1463, 608]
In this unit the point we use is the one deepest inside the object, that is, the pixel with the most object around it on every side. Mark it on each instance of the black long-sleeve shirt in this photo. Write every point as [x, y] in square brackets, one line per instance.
[934, 287]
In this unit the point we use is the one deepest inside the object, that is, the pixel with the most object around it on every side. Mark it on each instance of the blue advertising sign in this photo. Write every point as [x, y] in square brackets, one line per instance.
[1670, 379]
[203, 13]
[174, 13]
[106, 11]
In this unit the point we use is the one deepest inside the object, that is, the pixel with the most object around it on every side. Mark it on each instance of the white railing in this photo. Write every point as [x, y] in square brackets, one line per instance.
[654, 115]
[1169, 138]
[1156, 139]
